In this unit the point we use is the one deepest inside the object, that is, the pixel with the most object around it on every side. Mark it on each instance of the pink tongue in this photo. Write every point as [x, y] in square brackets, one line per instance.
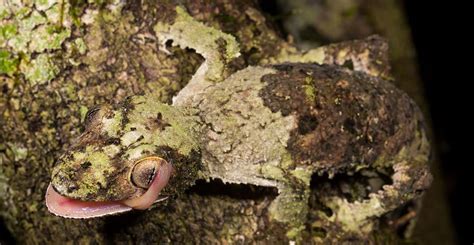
[71, 208]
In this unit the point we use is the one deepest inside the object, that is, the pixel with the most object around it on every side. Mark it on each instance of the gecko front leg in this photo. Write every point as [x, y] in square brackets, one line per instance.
[217, 49]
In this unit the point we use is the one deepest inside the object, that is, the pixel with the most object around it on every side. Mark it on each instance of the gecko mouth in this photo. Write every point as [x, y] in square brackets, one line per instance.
[71, 208]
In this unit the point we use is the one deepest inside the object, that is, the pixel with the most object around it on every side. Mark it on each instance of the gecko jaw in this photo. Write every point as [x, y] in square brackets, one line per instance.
[76, 209]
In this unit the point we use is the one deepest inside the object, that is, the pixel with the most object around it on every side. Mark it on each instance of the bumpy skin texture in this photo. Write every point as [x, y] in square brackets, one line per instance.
[205, 218]
[97, 167]
[277, 126]
[343, 117]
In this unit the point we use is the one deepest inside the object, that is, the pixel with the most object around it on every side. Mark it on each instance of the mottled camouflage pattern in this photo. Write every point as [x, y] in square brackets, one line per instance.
[97, 167]
[274, 126]
[104, 62]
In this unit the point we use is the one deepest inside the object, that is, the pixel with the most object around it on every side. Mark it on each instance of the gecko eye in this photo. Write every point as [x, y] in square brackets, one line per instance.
[145, 170]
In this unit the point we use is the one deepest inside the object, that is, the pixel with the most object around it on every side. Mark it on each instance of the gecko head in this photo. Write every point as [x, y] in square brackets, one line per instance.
[129, 156]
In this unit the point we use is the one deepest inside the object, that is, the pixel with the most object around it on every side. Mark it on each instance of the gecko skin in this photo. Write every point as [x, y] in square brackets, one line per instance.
[273, 125]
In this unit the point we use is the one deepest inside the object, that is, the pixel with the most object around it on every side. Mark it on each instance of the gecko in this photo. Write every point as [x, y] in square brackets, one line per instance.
[276, 125]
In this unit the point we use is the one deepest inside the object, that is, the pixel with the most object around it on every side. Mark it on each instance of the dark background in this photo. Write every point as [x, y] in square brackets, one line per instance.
[441, 34]
[444, 58]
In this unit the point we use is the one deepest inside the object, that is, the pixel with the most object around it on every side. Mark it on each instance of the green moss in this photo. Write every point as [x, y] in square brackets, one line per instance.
[82, 112]
[80, 45]
[22, 12]
[70, 90]
[19, 152]
[48, 38]
[40, 70]
[75, 10]
[7, 31]
[30, 32]
[32, 21]
[4, 13]
[56, 14]
[19, 43]
[44, 4]
[8, 64]
[309, 89]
